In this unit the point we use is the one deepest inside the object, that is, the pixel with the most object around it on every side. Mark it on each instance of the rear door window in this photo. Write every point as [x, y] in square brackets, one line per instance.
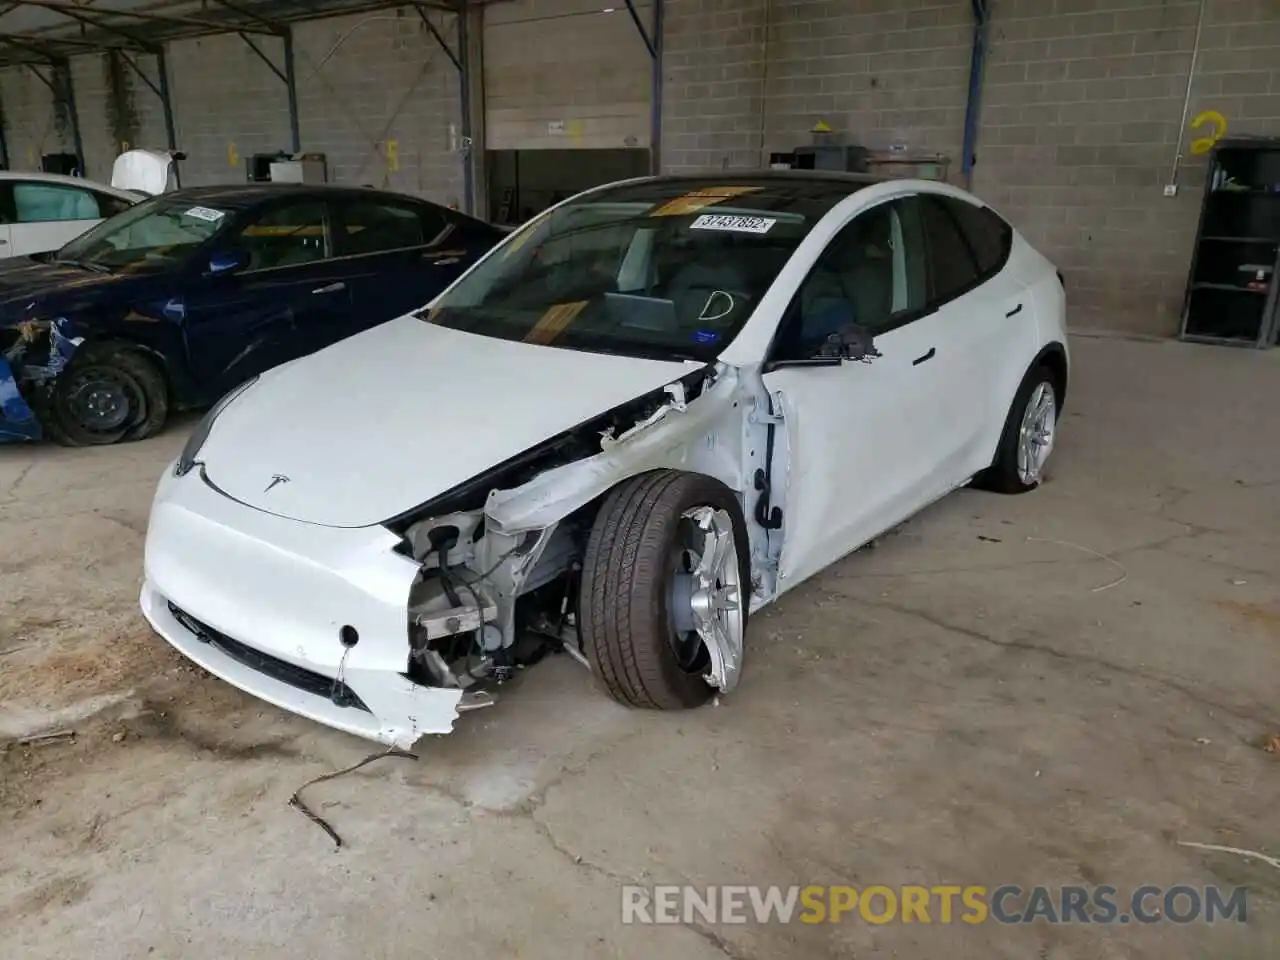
[952, 269]
[375, 226]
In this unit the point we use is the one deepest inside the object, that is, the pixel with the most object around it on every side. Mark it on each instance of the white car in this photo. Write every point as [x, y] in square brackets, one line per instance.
[40, 212]
[647, 413]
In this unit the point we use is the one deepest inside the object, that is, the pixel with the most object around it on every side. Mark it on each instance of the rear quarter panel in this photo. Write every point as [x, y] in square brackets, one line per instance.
[1030, 281]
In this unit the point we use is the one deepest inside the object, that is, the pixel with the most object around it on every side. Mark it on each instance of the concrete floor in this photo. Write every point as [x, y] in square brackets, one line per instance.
[972, 701]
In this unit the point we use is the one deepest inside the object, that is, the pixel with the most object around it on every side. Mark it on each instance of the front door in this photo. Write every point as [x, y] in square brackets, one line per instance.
[859, 438]
[289, 299]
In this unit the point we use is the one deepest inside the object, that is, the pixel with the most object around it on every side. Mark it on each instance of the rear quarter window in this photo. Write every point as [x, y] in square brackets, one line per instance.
[989, 236]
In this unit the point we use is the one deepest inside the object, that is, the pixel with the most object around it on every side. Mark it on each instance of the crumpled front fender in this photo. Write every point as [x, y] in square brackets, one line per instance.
[17, 419]
[40, 352]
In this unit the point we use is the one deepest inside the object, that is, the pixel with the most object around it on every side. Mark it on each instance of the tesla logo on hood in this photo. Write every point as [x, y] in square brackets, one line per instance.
[276, 480]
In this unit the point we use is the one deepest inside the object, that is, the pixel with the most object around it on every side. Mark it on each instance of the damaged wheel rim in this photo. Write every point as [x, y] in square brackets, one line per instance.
[706, 598]
[1035, 435]
[103, 402]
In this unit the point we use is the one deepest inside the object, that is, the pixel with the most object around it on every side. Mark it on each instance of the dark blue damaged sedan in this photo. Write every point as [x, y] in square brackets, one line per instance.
[175, 301]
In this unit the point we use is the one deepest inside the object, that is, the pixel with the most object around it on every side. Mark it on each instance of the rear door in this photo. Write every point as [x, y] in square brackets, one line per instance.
[289, 300]
[989, 327]
[398, 254]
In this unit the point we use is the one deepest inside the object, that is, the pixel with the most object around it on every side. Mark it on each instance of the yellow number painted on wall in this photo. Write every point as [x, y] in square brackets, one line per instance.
[393, 155]
[1205, 144]
[233, 158]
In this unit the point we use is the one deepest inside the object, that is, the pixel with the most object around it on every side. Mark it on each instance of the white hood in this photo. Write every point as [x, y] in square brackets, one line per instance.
[377, 424]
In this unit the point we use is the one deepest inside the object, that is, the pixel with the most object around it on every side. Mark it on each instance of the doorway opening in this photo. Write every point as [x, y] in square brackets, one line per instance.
[523, 183]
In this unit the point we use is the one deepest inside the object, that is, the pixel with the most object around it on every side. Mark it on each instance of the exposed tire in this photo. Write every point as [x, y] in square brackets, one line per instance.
[108, 393]
[626, 613]
[1007, 474]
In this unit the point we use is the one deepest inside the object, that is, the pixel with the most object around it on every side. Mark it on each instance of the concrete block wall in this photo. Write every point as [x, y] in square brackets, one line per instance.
[32, 126]
[115, 108]
[376, 94]
[365, 81]
[1080, 124]
[565, 74]
[227, 105]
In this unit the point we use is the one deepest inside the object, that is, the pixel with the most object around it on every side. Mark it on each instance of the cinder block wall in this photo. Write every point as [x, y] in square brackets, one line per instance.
[227, 105]
[367, 81]
[364, 82]
[32, 126]
[376, 95]
[115, 108]
[1080, 122]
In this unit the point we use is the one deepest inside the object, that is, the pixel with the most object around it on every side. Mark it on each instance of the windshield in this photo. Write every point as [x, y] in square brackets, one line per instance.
[157, 234]
[668, 269]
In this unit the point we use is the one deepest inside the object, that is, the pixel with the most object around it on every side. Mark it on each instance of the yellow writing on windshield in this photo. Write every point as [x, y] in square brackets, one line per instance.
[552, 323]
[698, 199]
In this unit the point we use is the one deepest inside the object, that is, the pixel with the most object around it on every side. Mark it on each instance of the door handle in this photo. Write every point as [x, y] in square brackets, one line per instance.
[445, 261]
[331, 288]
[923, 357]
[1015, 311]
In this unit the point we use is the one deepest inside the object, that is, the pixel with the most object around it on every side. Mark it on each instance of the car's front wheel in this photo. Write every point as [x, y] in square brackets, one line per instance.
[109, 392]
[665, 590]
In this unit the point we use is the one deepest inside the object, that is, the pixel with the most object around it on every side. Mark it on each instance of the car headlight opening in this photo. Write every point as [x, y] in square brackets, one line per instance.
[201, 433]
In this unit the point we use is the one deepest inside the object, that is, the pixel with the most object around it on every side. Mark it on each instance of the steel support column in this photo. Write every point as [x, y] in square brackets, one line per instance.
[653, 44]
[166, 101]
[287, 76]
[461, 61]
[972, 110]
[63, 68]
[464, 101]
[655, 101]
[291, 88]
[4, 140]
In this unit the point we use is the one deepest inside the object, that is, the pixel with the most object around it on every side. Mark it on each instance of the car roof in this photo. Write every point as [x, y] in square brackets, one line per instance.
[39, 176]
[241, 195]
[810, 193]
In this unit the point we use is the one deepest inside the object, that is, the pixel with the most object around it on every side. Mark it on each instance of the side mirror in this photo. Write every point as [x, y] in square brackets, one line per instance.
[850, 342]
[227, 261]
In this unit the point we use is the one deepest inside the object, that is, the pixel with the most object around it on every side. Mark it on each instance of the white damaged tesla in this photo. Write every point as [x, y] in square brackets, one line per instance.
[647, 413]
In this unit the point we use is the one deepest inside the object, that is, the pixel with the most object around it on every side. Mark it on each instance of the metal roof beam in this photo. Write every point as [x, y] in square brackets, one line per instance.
[23, 44]
[275, 26]
[75, 13]
[82, 17]
[431, 27]
[71, 41]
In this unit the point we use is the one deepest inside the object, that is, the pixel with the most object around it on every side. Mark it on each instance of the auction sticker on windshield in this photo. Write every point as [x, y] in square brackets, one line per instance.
[736, 224]
[205, 213]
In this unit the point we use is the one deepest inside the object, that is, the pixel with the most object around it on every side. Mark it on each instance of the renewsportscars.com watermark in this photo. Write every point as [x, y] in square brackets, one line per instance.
[942, 904]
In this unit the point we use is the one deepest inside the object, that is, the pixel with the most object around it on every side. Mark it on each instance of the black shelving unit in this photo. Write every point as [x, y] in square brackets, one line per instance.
[1232, 293]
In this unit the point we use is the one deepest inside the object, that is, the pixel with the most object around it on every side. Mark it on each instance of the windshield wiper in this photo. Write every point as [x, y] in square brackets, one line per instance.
[84, 265]
[635, 350]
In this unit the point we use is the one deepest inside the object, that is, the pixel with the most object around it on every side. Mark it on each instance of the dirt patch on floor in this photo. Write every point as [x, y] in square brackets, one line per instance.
[1262, 614]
